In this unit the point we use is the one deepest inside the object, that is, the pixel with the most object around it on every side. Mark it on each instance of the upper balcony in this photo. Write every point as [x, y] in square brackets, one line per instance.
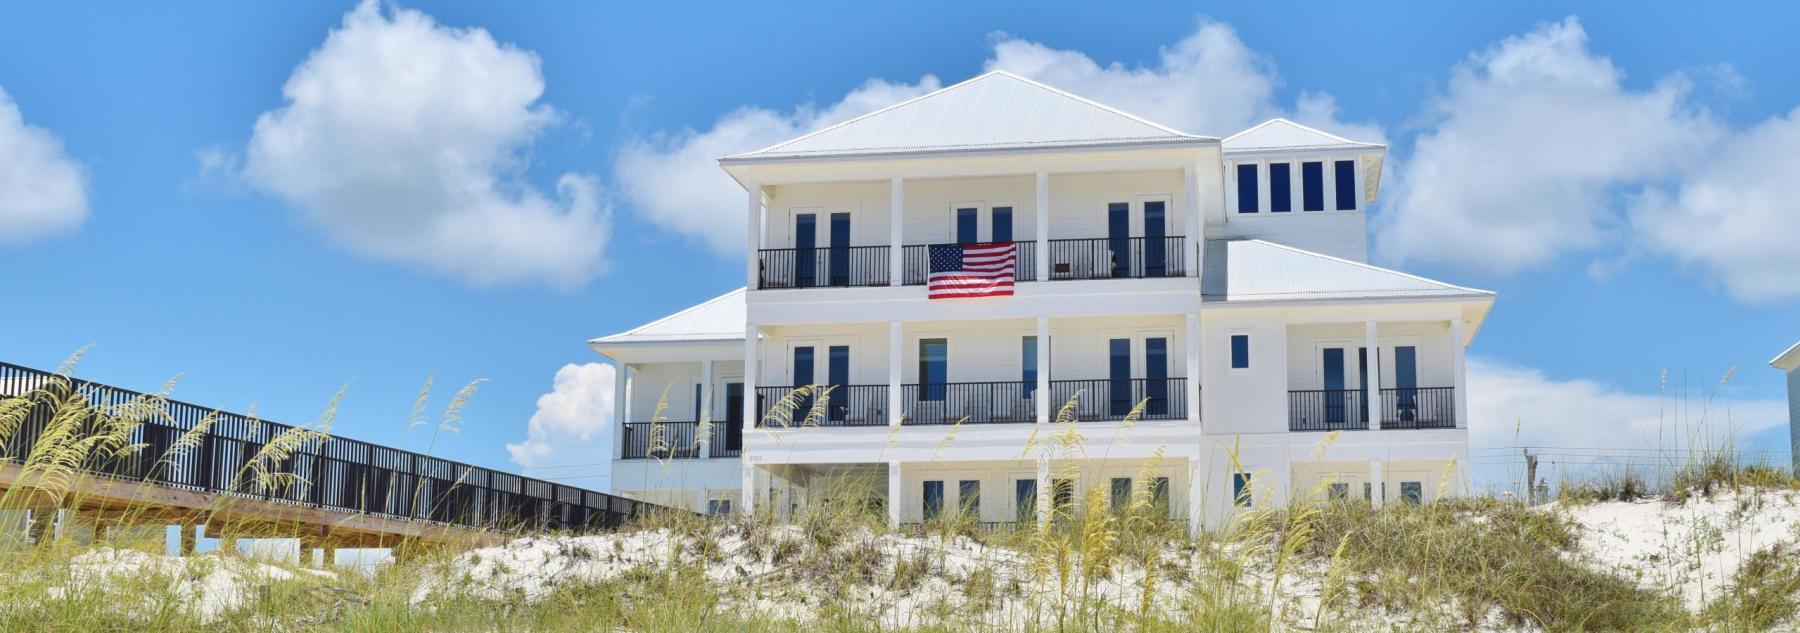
[1069, 259]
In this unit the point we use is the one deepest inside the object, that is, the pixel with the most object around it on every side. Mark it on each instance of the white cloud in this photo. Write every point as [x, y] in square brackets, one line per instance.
[1733, 216]
[405, 140]
[1207, 83]
[573, 425]
[1523, 157]
[43, 192]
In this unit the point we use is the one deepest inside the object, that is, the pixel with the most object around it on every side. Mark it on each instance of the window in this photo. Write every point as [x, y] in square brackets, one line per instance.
[1338, 491]
[1156, 257]
[967, 219]
[1119, 400]
[1281, 188]
[1118, 237]
[718, 507]
[934, 499]
[1121, 492]
[1246, 187]
[839, 250]
[803, 376]
[806, 236]
[1240, 489]
[934, 368]
[1240, 351]
[1406, 383]
[968, 497]
[697, 411]
[837, 371]
[1412, 492]
[1025, 500]
[1312, 186]
[1159, 496]
[1003, 228]
[1062, 495]
[1345, 175]
[1156, 376]
[1028, 364]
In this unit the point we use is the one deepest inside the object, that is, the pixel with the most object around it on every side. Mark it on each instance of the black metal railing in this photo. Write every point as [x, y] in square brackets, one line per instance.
[1418, 408]
[824, 405]
[969, 403]
[336, 474]
[720, 446]
[916, 262]
[1114, 398]
[660, 440]
[823, 267]
[1327, 410]
[1117, 258]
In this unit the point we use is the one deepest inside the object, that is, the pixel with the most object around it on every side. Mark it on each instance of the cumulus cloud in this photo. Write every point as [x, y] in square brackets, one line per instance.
[1522, 158]
[573, 424]
[405, 140]
[43, 192]
[1210, 82]
[1733, 216]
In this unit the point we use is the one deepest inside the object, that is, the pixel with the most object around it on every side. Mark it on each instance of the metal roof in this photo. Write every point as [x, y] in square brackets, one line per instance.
[1245, 271]
[718, 319]
[995, 111]
[1282, 134]
[1788, 360]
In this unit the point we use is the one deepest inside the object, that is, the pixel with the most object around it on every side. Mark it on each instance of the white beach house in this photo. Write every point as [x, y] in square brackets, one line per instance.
[1218, 285]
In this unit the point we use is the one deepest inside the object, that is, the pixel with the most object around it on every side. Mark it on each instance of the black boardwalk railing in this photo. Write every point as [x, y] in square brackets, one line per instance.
[337, 474]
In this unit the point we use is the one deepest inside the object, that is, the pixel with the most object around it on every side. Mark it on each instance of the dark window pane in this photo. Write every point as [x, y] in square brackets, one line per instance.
[803, 376]
[839, 261]
[1346, 184]
[1003, 228]
[1155, 247]
[1246, 188]
[934, 368]
[837, 371]
[1312, 186]
[806, 235]
[934, 499]
[1240, 351]
[1028, 362]
[1240, 489]
[1159, 496]
[1119, 401]
[1025, 500]
[1156, 376]
[1406, 382]
[1281, 188]
[968, 496]
[966, 226]
[1335, 406]
[1412, 492]
[1118, 233]
[1121, 492]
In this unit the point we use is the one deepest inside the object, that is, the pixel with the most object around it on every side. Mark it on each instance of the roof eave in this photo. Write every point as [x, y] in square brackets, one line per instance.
[753, 159]
[1788, 360]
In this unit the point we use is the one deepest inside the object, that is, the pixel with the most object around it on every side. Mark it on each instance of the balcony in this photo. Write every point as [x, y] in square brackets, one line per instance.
[969, 402]
[1006, 402]
[1114, 398]
[839, 405]
[1346, 409]
[673, 440]
[1070, 259]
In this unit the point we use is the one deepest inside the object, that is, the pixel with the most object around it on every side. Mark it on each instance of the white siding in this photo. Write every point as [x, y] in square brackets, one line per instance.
[1431, 339]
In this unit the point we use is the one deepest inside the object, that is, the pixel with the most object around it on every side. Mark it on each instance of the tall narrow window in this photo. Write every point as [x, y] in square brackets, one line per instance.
[839, 260]
[934, 368]
[968, 225]
[1156, 376]
[1312, 186]
[1156, 249]
[1119, 398]
[1118, 234]
[1246, 188]
[837, 371]
[1121, 492]
[968, 497]
[1159, 496]
[1003, 225]
[1344, 177]
[1406, 383]
[697, 412]
[1240, 489]
[1025, 500]
[1281, 188]
[1336, 405]
[1028, 365]
[806, 239]
[1240, 351]
[934, 499]
[803, 376]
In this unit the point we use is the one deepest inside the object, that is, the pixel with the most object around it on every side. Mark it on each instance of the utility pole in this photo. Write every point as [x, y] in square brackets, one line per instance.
[1530, 478]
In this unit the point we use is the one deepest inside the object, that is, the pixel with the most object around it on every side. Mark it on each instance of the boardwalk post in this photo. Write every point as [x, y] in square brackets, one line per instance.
[188, 539]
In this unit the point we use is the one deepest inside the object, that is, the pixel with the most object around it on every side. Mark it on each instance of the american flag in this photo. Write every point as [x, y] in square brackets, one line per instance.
[971, 270]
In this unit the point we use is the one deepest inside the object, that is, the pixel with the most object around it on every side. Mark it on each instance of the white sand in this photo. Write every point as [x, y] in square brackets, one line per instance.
[1692, 549]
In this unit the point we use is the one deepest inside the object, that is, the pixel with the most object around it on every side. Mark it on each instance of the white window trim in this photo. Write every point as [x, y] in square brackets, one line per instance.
[1249, 351]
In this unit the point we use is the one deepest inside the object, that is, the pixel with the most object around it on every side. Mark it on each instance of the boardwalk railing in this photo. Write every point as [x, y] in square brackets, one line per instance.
[337, 474]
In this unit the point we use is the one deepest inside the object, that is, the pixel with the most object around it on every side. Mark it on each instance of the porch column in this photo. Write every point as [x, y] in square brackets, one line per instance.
[752, 367]
[894, 493]
[704, 415]
[1374, 403]
[1043, 370]
[1195, 229]
[621, 388]
[1192, 384]
[1377, 483]
[1460, 380]
[1043, 491]
[893, 384]
[747, 479]
[896, 246]
[1041, 259]
[753, 235]
[1196, 511]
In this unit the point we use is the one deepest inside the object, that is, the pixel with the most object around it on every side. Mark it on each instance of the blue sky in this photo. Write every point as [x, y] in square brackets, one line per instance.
[176, 234]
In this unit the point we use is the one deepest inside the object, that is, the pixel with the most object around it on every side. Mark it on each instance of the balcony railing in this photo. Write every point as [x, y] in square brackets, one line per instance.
[660, 440]
[916, 263]
[969, 403]
[840, 405]
[823, 266]
[1114, 398]
[1117, 258]
[1347, 409]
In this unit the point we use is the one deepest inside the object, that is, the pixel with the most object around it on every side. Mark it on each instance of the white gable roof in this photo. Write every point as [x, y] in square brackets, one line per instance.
[718, 319]
[1282, 134]
[1788, 360]
[995, 111]
[1243, 271]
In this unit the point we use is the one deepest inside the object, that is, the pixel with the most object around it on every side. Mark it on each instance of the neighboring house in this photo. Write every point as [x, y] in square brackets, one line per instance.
[1220, 284]
[1789, 361]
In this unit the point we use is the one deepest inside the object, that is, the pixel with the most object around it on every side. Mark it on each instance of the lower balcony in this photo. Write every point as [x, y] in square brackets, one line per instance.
[1001, 402]
[678, 440]
[1347, 409]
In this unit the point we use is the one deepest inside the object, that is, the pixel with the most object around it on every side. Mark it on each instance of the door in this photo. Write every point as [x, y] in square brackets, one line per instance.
[1155, 247]
[1118, 238]
[1406, 383]
[1331, 378]
[838, 259]
[734, 416]
[806, 240]
[968, 225]
[1119, 400]
[837, 372]
[1000, 224]
[803, 377]
[934, 368]
[1156, 376]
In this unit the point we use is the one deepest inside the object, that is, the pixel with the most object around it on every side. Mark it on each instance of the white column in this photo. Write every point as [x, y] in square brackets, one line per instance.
[753, 235]
[896, 246]
[621, 387]
[1043, 491]
[1196, 511]
[1377, 483]
[893, 385]
[1042, 256]
[1043, 371]
[1460, 379]
[1262, 187]
[705, 412]
[1374, 403]
[747, 502]
[1193, 367]
[1195, 230]
[894, 493]
[752, 367]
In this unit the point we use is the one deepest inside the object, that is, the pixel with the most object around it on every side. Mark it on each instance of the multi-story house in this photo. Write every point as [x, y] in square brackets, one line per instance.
[1217, 287]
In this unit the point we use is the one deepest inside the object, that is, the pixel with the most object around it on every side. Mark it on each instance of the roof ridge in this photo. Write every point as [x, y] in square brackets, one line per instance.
[1091, 102]
[1302, 126]
[829, 128]
[1371, 267]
